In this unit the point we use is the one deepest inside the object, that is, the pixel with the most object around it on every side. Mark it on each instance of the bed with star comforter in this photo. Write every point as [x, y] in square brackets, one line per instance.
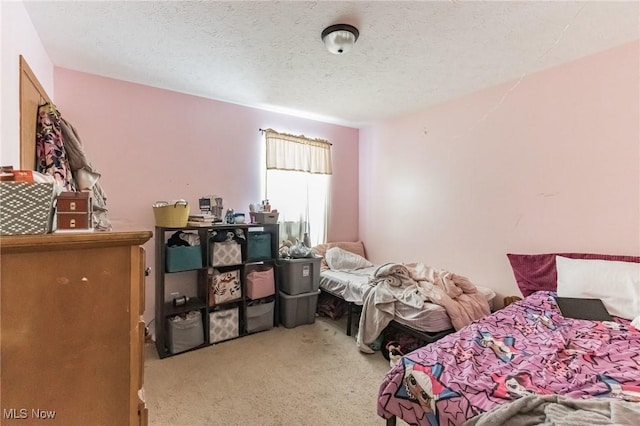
[527, 348]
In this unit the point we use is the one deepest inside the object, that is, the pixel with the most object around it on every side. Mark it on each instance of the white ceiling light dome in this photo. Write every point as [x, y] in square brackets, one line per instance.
[340, 38]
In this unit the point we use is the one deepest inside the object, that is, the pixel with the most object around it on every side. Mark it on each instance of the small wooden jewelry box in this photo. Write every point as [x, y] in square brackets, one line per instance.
[73, 210]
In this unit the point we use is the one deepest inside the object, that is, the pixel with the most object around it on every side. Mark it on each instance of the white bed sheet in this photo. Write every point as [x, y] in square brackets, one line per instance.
[351, 287]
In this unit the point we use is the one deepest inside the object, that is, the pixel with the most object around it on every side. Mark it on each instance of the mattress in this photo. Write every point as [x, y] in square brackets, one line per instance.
[351, 287]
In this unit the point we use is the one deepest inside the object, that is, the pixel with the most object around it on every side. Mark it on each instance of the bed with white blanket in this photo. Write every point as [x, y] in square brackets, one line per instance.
[424, 301]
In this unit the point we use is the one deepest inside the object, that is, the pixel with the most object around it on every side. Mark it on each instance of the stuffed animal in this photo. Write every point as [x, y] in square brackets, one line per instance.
[395, 352]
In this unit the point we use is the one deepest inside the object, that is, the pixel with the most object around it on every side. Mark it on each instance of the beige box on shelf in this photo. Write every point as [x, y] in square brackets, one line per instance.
[266, 217]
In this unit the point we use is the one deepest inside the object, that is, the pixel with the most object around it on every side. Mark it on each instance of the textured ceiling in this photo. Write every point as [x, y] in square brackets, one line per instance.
[268, 54]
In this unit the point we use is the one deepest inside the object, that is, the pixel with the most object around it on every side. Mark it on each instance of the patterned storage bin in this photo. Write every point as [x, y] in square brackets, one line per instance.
[226, 253]
[224, 286]
[26, 208]
[224, 325]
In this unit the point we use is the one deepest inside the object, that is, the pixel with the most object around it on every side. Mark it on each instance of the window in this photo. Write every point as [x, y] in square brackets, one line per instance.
[297, 184]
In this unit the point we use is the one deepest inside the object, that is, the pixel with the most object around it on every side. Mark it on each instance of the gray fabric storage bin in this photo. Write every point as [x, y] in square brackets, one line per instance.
[297, 276]
[299, 309]
[260, 316]
[186, 333]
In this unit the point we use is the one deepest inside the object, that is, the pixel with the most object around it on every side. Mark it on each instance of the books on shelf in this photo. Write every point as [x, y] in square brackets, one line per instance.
[204, 217]
[199, 223]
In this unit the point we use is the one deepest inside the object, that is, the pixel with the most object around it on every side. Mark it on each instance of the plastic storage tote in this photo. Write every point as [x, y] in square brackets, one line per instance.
[299, 309]
[298, 276]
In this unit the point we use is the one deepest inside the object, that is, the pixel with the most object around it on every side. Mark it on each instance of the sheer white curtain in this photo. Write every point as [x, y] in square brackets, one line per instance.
[297, 184]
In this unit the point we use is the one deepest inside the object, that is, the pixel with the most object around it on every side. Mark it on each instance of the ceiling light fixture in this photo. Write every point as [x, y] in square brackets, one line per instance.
[340, 38]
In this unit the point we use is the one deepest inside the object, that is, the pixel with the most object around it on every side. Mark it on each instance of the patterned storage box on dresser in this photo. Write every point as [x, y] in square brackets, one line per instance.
[26, 208]
[73, 211]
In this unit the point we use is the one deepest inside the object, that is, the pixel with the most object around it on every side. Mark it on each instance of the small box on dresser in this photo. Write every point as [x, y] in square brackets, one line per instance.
[73, 211]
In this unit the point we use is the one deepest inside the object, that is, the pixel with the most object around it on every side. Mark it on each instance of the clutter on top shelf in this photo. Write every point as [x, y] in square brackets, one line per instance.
[228, 217]
[212, 205]
[262, 213]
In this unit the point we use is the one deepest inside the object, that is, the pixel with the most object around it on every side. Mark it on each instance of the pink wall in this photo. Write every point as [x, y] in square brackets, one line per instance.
[553, 167]
[152, 144]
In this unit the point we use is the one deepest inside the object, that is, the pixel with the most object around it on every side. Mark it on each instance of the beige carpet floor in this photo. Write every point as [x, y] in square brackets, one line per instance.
[308, 375]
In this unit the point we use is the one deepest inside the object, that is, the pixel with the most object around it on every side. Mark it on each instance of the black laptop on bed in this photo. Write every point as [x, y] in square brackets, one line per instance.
[585, 309]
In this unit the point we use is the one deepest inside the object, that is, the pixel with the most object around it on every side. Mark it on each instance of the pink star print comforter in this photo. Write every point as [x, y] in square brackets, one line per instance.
[527, 348]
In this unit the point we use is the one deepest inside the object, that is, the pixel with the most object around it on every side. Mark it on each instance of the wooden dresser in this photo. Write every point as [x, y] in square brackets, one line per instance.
[72, 338]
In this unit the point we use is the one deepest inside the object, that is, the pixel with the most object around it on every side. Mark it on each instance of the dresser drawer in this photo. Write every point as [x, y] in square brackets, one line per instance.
[74, 220]
[73, 202]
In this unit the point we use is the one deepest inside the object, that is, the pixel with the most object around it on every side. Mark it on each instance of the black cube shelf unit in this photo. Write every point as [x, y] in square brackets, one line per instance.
[199, 300]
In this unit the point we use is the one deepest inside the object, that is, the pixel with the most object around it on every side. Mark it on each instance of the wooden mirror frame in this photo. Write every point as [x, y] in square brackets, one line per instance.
[32, 95]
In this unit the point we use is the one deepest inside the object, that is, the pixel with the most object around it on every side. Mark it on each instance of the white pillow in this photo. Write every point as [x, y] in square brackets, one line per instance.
[343, 260]
[616, 283]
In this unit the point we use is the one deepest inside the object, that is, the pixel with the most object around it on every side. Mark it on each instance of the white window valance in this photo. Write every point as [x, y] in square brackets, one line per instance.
[297, 153]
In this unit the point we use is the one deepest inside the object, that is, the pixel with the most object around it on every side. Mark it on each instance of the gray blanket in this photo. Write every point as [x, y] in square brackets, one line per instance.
[560, 411]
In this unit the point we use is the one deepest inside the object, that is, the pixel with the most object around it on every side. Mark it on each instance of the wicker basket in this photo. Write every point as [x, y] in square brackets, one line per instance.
[171, 215]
